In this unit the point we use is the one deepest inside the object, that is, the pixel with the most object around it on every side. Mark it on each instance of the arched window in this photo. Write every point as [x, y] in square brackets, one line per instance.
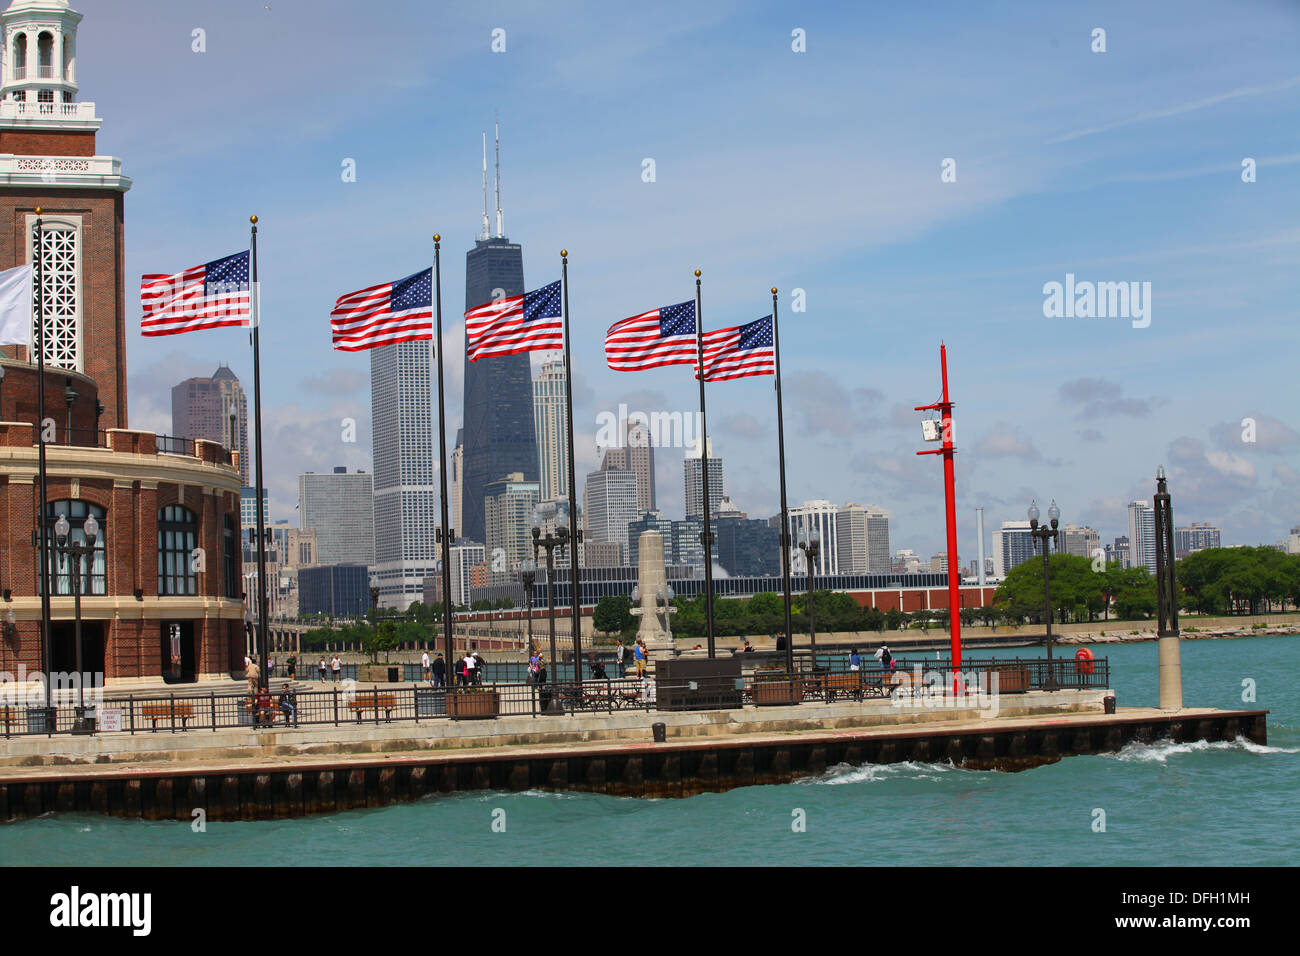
[20, 56]
[178, 530]
[93, 580]
[230, 556]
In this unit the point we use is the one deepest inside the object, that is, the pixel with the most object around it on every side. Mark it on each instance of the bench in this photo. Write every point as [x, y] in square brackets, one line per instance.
[156, 712]
[614, 698]
[376, 702]
[848, 684]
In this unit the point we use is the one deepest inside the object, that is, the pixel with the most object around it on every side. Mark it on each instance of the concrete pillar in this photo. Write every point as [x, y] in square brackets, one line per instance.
[651, 576]
[1171, 673]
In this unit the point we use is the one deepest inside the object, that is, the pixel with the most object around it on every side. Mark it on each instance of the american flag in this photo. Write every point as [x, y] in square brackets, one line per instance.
[740, 351]
[209, 296]
[400, 311]
[664, 336]
[521, 323]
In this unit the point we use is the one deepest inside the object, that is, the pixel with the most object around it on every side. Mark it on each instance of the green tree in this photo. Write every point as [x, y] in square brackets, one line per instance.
[613, 613]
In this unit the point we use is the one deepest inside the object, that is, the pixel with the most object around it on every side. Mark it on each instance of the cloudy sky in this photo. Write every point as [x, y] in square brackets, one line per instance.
[820, 171]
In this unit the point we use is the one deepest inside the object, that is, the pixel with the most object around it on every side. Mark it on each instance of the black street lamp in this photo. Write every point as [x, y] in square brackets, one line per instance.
[811, 546]
[528, 574]
[374, 599]
[550, 541]
[1045, 534]
[77, 552]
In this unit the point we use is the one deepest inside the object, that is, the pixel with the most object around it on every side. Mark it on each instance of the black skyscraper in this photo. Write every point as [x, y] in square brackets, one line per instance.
[499, 435]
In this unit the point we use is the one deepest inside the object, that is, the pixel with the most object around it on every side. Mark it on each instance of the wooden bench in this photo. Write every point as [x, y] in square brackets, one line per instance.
[156, 712]
[849, 684]
[376, 702]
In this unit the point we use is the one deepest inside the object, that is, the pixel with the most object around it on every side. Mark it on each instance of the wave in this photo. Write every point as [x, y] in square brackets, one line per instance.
[844, 773]
[1160, 751]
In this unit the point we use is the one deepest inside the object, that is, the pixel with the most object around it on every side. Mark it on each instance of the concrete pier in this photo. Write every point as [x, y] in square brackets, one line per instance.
[710, 751]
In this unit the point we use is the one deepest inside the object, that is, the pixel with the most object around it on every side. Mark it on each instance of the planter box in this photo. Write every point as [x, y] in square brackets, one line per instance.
[1013, 680]
[777, 692]
[467, 706]
[380, 673]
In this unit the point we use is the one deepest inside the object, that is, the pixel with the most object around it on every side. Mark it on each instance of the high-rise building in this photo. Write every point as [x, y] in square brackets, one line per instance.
[610, 498]
[1293, 541]
[339, 507]
[507, 512]
[863, 539]
[649, 520]
[695, 483]
[1083, 542]
[248, 511]
[499, 435]
[906, 561]
[465, 556]
[746, 546]
[1013, 544]
[202, 407]
[637, 455]
[1142, 535]
[456, 482]
[598, 554]
[819, 515]
[939, 562]
[688, 549]
[1197, 537]
[406, 488]
[551, 421]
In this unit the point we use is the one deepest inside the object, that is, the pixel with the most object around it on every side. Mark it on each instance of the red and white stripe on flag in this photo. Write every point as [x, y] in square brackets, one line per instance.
[187, 302]
[384, 314]
[724, 359]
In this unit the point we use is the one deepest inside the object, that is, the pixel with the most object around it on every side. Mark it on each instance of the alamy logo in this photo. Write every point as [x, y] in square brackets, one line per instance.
[76, 909]
[1100, 300]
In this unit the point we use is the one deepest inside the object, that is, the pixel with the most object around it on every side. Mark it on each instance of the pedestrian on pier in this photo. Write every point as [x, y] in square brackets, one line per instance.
[618, 659]
[883, 655]
[478, 666]
[534, 662]
[439, 671]
[337, 666]
[252, 673]
[291, 665]
[288, 703]
[638, 654]
[322, 667]
[424, 664]
[855, 661]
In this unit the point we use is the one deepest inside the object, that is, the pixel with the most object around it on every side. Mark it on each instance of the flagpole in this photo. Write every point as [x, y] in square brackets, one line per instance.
[262, 608]
[785, 513]
[575, 534]
[447, 532]
[706, 537]
[41, 522]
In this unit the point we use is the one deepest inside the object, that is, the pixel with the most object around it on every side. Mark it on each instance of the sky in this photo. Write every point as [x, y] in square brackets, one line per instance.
[916, 174]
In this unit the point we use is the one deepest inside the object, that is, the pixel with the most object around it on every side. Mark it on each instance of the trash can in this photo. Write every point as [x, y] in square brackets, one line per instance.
[660, 732]
[1109, 704]
[40, 720]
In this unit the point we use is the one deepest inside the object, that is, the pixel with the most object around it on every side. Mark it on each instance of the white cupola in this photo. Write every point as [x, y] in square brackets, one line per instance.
[39, 60]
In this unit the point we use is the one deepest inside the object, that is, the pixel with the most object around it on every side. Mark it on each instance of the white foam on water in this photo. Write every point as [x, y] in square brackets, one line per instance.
[872, 772]
[1160, 751]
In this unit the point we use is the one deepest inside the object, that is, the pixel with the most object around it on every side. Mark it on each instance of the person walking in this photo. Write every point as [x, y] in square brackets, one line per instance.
[543, 692]
[322, 667]
[883, 655]
[534, 662]
[424, 665]
[639, 655]
[468, 673]
[291, 665]
[252, 673]
[439, 671]
[337, 666]
[618, 659]
[479, 664]
[855, 662]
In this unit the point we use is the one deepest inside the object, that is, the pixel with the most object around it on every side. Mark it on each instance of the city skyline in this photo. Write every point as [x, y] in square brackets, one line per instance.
[1149, 153]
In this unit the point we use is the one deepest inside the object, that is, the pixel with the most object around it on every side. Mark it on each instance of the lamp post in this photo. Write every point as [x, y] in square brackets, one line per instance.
[550, 541]
[528, 574]
[374, 599]
[70, 399]
[811, 546]
[77, 552]
[1046, 533]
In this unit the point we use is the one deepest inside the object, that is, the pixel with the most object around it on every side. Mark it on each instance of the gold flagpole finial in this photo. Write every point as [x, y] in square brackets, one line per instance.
[38, 210]
[774, 290]
[564, 253]
[437, 238]
[253, 220]
[697, 273]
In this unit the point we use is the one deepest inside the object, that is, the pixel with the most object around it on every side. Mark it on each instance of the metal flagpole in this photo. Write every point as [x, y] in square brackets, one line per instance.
[785, 515]
[447, 532]
[575, 535]
[41, 523]
[262, 608]
[706, 537]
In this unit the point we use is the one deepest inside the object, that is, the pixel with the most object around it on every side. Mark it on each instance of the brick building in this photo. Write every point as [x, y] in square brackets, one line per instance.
[162, 595]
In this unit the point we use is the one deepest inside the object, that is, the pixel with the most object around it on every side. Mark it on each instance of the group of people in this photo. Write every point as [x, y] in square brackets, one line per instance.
[469, 669]
[259, 699]
[637, 653]
[334, 665]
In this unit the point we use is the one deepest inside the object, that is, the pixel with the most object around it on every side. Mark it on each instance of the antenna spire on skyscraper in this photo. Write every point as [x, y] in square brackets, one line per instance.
[487, 233]
[501, 234]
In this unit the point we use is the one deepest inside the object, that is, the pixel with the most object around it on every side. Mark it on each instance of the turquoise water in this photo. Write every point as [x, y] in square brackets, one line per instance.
[1230, 804]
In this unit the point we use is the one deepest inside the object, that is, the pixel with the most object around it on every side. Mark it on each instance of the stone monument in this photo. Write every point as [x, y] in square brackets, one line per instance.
[652, 599]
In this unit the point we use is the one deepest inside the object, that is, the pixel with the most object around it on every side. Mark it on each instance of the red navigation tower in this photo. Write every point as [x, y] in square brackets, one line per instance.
[943, 433]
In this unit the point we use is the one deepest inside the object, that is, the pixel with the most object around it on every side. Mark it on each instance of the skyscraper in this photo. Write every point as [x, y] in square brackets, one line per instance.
[610, 498]
[201, 408]
[695, 484]
[406, 508]
[1083, 542]
[456, 482]
[499, 435]
[1142, 535]
[1013, 544]
[1197, 537]
[745, 546]
[507, 508]
[637, 455]
[819, 514]
[863, 539]
[339, 507]
[551, 422]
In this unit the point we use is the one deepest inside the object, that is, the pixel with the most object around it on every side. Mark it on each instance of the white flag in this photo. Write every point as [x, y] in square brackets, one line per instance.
[16, 306]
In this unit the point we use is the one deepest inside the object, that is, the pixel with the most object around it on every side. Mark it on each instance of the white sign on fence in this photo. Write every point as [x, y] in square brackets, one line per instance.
[110, 720]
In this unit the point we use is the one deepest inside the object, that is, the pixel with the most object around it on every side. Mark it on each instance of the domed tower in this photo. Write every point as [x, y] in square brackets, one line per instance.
[48, 160]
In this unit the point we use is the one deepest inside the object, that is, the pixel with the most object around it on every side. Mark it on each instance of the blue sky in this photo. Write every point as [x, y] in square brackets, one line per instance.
[818, 171]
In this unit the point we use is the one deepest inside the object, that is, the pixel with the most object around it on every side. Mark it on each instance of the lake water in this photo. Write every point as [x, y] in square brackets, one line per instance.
[1229, 804]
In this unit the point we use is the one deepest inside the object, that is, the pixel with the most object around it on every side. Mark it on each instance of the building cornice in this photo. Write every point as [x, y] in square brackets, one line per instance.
[67, 172]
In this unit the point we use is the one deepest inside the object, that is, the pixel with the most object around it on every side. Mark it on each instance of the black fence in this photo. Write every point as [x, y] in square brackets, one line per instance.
[345, 703]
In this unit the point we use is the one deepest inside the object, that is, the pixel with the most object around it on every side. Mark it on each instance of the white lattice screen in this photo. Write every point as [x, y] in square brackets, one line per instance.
[59, 279]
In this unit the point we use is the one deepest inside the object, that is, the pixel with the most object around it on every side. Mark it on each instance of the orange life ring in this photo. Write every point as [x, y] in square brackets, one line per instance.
[1083, 661]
